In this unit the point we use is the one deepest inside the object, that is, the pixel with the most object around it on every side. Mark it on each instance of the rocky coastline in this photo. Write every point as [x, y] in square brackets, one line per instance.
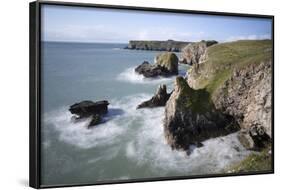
[169, 45]
[227, 89]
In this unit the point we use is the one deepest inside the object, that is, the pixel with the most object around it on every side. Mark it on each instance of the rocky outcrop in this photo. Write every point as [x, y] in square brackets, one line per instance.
[238, 77]
[89, 109]
[166, 64]
[247, 97]
[195, 53]
[169, 45]
[159, 99]
[190, 117]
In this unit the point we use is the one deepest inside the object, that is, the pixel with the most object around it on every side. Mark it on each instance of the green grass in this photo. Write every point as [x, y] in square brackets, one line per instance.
[224, 58]
[260, 161]
[198, 101]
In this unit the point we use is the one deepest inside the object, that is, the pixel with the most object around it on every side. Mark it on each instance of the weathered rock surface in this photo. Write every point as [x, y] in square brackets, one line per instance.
[190, 117]
[169, 45]
[247, 97]
[238, 76]
[195, 53]
[87, 108]
[159, 99]
[166, 64]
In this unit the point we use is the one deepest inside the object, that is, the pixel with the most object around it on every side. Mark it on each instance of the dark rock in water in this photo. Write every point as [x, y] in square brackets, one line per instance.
[190, 117]
[254, 138]
[95, 119]
[87, 108]
[159, 99]
[166, 64]
[149, 70]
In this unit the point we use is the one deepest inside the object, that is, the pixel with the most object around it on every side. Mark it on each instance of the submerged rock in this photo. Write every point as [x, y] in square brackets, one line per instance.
[190, 117]
[87, 108]
[159, 99]
[166, 64]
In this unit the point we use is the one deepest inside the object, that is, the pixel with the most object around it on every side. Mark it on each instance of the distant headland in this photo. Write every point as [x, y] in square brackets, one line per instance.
[154, 45]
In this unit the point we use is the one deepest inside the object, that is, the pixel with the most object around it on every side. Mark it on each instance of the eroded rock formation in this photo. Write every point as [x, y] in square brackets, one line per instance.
[166, 64]
[191, 117]
[90, 109]
[159, 99]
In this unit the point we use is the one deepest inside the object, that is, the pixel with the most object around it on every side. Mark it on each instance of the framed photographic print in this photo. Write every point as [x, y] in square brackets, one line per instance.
[131, 94]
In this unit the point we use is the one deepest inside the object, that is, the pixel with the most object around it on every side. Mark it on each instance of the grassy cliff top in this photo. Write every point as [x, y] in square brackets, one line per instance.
[224, 58]
[196, 100]
[168, 60]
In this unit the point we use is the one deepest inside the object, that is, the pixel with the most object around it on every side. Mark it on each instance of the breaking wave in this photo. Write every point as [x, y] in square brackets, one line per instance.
[138, 136]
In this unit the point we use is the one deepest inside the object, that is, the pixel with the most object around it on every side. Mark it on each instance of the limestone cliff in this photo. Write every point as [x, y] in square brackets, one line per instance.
[191, 117]
[169, 45]
[238, 76]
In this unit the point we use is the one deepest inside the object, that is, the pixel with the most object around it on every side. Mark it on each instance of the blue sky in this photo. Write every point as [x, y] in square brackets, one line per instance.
[80, 24]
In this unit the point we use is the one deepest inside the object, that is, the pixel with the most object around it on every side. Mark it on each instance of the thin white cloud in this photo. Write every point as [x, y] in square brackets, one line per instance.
[249, 37]
[103, 33]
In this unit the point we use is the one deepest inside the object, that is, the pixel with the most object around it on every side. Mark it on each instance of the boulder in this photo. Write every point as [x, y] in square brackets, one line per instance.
[169, 61]
[159, 99]
[166, 64]
[87, 108]
[95, 119]
[190, 117]
[150, 70]
[255, 138]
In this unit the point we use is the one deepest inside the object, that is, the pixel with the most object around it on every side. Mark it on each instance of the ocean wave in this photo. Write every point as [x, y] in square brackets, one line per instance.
[137, 136]
[76, 133]
[129, 75]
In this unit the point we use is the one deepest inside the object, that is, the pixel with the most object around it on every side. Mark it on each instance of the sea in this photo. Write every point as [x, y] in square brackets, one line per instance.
[130, 144]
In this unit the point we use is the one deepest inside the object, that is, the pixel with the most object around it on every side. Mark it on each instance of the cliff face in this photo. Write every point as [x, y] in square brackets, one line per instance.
[247, 97]
[168, 45]
[228, 84]
[191, 117]
[196, 53]
[238, 77]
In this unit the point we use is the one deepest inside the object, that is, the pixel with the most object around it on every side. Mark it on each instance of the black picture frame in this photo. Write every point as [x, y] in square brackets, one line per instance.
[35, 90]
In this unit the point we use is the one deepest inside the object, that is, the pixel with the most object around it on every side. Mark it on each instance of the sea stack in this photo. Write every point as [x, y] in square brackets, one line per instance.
[166, 64]
[90, 109]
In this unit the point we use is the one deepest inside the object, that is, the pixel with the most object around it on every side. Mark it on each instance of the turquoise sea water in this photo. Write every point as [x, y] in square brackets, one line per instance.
[131, 144]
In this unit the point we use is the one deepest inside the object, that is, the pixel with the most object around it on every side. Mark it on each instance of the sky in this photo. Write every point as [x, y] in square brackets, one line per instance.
[87, 24]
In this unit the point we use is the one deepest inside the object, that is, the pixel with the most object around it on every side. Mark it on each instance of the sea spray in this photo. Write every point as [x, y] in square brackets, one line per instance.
[137, 136]
[129, 75]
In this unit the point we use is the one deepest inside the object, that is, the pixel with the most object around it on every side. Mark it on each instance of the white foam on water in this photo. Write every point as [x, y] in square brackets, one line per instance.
[107, 133]
[130, 76]
[77, 133]
[138, 136]
[151, 147]
[116, 48]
